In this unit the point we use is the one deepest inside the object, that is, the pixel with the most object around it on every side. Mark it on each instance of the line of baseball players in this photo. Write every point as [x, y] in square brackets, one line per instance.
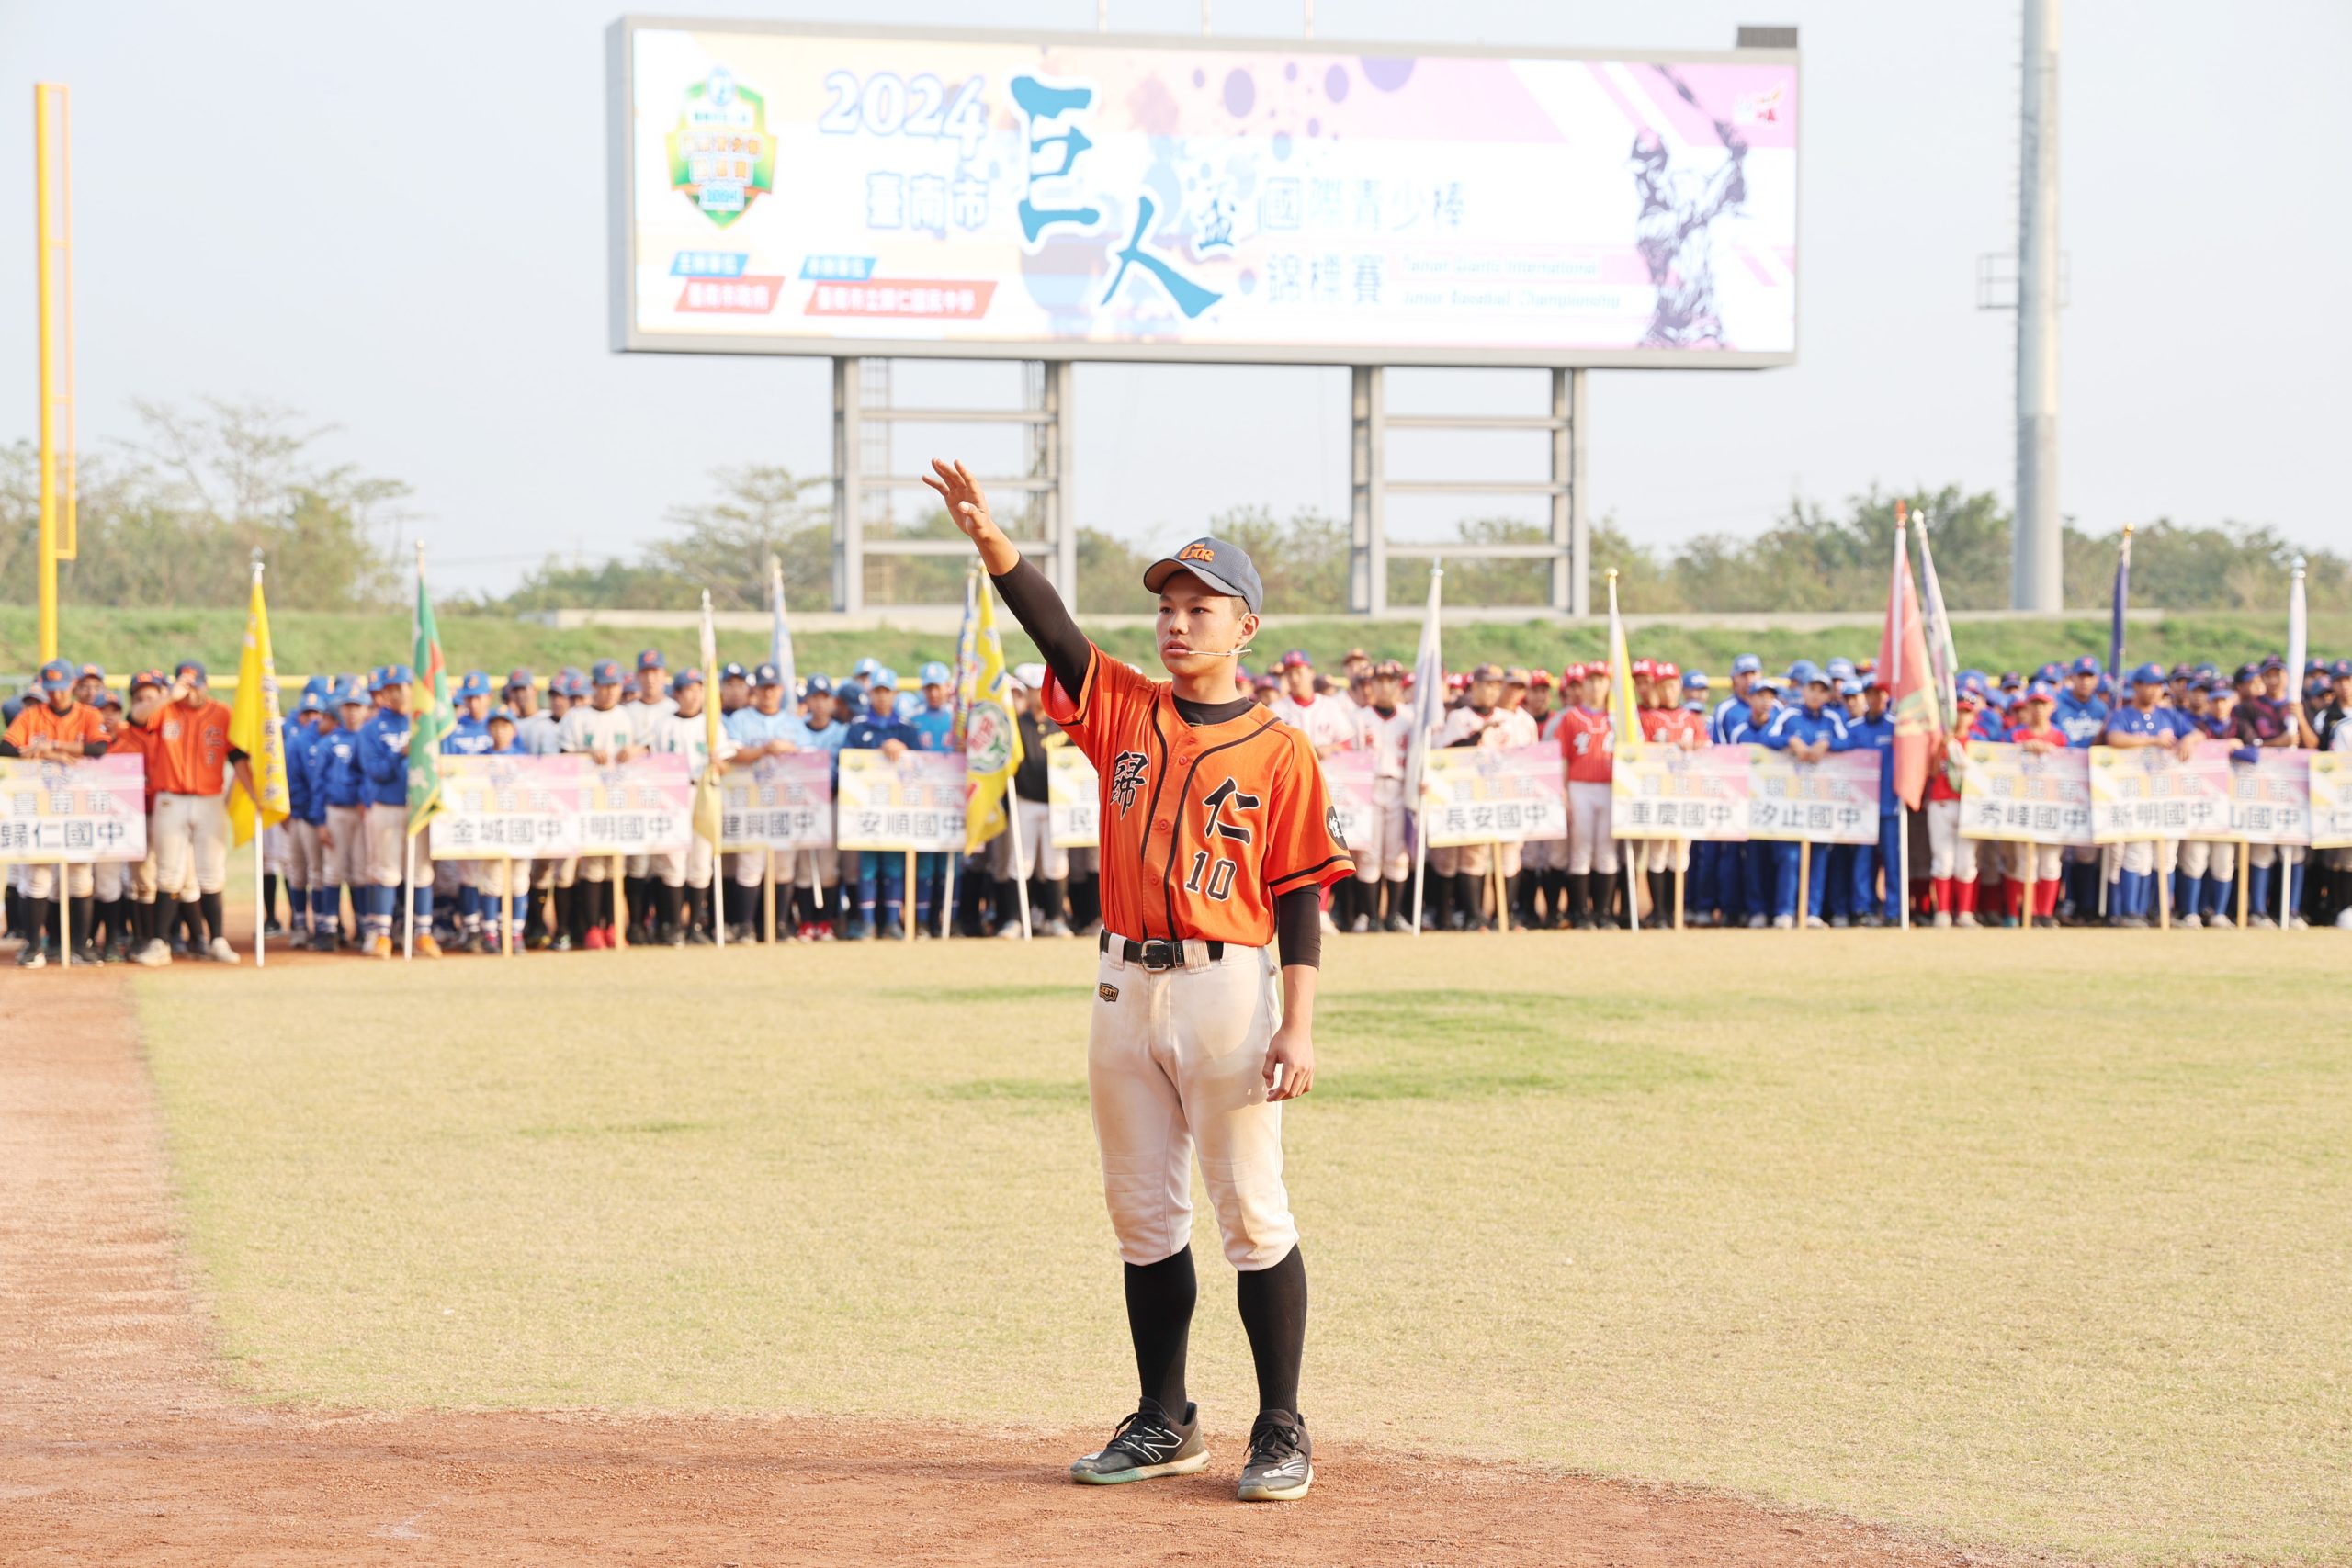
[339, 862]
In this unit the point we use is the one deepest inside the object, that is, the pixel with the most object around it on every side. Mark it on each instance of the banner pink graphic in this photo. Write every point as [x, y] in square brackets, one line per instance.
[79, 813]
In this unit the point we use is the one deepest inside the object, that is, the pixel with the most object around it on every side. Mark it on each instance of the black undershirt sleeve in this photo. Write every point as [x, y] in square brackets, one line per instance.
[1047, 621]
[1298, 926]
[8, 750]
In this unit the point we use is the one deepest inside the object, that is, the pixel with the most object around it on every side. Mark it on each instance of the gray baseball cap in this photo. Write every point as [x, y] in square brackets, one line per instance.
[1221, 564]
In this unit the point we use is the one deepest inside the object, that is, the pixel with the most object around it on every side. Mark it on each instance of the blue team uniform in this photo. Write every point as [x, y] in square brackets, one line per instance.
[881, 875]
[382, 745]
[1789, 726]
[1878, 735]
[468, 737]
[937, 728]
[1746, 868]
[2082, 720]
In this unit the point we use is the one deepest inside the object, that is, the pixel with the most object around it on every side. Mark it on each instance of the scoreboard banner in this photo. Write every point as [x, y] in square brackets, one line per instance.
[1348, 778]
[2270, 798]
[1074, 797]
[1482, 795]
[1665, 791]
[79, 813]
[561, 807]
[915, 803]
[779, 803]
[856, 188]
[2331, 799]
[2148, 792]
[1834, 801]
[2020, 797]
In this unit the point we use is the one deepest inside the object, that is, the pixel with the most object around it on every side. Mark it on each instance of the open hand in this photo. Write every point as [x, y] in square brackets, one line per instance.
[968, 507]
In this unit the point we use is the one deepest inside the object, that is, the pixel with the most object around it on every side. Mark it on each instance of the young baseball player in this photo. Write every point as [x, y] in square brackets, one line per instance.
[62, 730]
[191, 762]
[1386, 730]
[1217, 837]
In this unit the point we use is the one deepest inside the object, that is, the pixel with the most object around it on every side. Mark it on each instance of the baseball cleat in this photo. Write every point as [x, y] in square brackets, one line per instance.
[1281, 1460]
[1145, 1445]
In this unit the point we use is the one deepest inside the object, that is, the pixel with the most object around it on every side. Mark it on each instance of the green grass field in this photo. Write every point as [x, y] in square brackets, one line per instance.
[2029, 1242]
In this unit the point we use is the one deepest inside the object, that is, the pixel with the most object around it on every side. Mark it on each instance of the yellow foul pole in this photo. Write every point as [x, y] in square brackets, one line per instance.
[54, 230]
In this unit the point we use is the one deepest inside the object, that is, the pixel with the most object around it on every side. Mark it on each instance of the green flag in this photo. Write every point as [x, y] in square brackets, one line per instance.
[429, 714]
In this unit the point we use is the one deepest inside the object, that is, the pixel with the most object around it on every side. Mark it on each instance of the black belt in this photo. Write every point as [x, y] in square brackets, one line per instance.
[1156, 954]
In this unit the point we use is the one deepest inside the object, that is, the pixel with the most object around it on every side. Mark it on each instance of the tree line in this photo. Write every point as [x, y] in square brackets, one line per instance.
[171, 518]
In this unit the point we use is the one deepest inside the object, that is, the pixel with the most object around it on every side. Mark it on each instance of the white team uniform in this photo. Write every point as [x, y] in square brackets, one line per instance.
[1328, 723]
[690, 737]
[590, 730]
[1385, 852]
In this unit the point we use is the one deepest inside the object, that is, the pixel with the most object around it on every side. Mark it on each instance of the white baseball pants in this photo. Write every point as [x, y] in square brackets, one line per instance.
[344, 864]
[1950, 852]
[1591, 848]
[191, 836]
[1175, 1059]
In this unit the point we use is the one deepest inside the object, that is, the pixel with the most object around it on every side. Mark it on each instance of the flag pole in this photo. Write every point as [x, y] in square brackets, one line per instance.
[408, 896]
[1420, 859]
[947, 900]
[65, 915]
[261, 834]
[907, 900]
[1617, 678]
[1020, 861]
[1903, 858]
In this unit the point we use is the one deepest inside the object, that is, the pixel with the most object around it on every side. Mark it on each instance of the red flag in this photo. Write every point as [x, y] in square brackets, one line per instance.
[1902, 668]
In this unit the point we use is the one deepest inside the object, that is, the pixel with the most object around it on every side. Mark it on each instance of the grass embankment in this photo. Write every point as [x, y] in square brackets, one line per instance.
[2025, 1240]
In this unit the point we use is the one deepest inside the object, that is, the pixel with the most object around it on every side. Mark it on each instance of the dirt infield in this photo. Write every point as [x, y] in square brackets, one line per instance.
[118, 1444]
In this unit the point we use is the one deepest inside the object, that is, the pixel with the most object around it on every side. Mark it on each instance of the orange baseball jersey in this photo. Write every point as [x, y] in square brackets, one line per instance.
[77, 727]
[1587, 741]
[1201, 829]
[191, 753]
[141, 742]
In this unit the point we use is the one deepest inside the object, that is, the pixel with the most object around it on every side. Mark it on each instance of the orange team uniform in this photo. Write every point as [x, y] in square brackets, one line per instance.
[1202, 829]
[138, 740]
[1586, 742]
[190, 755]
[77, 727]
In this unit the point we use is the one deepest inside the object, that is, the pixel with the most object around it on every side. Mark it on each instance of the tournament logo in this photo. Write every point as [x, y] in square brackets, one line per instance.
[721, 155]
[988, 738]
[1331, 821]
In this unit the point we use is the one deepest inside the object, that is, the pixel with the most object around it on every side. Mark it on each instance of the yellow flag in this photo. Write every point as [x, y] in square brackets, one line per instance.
[257, 730]
[992, 738]
[1621, 714]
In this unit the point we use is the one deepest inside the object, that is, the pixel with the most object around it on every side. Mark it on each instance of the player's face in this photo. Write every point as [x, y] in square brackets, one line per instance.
[732, 691]
[1196, 627]
[649, 686]
[1874, 700]
[354, 715]
[2085, 685]
[395, 699]
[769, 699]
[502, 733]
[1298, 681]
[606, 698]
[689, 699]
[1387, 690]
[934, 698]
[1483, 694]
[478, 707]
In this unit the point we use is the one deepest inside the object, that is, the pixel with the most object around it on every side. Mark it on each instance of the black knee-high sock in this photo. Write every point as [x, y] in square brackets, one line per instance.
[268, 896]
[1160, 1319]
[215, 924]
[1273, 1313]
[84, 932]
[667, 900]
[1437, 893]
[191, 922]
[1470, 897]
[34, 915]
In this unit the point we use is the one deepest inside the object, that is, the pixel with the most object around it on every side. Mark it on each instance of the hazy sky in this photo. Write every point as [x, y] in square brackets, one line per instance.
[394, 216]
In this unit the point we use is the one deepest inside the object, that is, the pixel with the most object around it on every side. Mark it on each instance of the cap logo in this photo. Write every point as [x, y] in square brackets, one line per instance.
[1197, 551]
